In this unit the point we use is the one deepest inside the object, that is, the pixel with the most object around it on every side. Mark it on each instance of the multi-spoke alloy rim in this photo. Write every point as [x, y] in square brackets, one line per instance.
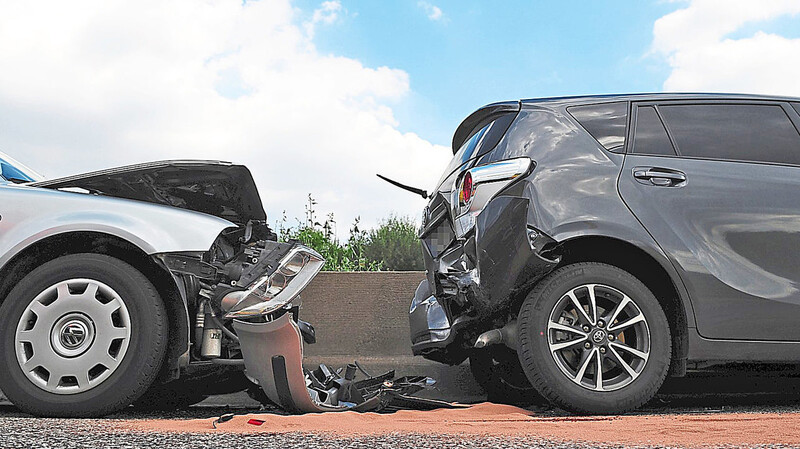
[598, 337]
[73, 336]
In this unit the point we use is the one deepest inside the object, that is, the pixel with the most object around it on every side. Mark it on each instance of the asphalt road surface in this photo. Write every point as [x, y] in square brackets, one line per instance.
[705, 395]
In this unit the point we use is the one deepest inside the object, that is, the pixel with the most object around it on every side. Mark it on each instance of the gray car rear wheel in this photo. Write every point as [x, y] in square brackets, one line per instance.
[82, 335]
[594, 339]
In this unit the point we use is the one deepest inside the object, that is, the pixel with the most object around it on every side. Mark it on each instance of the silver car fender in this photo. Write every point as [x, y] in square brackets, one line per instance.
[30, 214]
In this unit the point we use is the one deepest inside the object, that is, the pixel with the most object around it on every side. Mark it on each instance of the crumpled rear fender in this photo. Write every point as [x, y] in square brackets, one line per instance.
[504, 257]
[508, 252]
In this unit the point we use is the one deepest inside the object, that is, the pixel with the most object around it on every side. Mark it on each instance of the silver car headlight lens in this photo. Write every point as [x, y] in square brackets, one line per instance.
[274, 291]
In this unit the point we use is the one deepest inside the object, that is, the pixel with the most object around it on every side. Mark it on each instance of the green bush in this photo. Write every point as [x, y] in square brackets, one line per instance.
[392, 246]
[395, 244]
[347, 256]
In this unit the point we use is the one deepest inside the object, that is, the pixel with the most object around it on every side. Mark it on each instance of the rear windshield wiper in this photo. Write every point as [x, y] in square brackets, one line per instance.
[420, 192]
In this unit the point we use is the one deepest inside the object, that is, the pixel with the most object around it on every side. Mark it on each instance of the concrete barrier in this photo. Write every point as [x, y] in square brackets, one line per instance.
[363, 316]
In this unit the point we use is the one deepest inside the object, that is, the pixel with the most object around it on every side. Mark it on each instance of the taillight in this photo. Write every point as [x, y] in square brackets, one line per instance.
[466, 189]
[477, 186]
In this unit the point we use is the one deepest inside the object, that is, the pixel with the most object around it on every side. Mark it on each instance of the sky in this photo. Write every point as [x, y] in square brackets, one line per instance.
[316, 97]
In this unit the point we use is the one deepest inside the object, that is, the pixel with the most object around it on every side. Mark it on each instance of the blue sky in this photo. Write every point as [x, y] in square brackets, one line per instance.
[317, 96]
[480, 51]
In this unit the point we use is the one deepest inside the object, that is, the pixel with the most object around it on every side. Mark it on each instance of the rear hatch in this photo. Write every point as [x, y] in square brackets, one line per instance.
[473, 142]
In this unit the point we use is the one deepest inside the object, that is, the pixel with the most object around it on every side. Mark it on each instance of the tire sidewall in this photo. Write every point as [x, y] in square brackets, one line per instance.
[540, 366]
[146, 344]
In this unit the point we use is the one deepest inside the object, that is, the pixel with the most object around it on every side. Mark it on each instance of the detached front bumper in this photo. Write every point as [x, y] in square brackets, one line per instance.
[273, 356]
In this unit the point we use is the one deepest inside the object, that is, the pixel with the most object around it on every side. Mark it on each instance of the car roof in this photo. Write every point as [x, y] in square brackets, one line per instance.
[470, 124]
[656, 96]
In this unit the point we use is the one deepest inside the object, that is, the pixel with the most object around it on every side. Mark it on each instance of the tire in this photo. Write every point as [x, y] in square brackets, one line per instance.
[499, 373]
[60, 319]
[562, 365]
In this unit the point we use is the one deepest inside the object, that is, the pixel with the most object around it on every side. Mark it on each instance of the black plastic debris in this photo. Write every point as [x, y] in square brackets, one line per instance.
[273, 356]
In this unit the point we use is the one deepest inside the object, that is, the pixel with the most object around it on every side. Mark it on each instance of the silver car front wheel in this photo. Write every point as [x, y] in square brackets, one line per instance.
[81, 335]
[73, 336]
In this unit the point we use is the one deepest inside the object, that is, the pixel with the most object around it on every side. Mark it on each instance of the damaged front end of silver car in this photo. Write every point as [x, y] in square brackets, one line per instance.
[234, 295]
[249, 314]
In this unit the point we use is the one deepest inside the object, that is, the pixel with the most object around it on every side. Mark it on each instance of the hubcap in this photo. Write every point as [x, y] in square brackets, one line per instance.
[73, 336]
[598, 337]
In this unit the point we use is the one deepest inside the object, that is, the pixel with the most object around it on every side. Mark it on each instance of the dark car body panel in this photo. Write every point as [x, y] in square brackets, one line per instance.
[731, 229]
[579, 190]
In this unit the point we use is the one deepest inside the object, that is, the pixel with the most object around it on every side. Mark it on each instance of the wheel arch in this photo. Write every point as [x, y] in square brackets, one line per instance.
[645, 267]
[68, 243]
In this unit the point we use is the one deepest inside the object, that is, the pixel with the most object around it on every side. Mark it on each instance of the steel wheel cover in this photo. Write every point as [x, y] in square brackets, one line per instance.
[72, 336]
[598, 337]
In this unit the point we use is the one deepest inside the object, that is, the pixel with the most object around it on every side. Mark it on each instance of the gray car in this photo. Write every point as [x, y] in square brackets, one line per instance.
[123, 285]
[584, 248]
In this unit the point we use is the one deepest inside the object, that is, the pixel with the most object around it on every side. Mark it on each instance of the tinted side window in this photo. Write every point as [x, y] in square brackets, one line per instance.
[605, 122]
[761, 133]
[650, 137]
[796, 107]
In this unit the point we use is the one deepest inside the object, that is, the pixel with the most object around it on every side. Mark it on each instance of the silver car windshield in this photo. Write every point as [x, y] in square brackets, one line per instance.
[14, 171]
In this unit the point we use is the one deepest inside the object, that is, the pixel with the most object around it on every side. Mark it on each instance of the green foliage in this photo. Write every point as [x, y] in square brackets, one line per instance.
[347, 256]
[396, 245]
[392, 246]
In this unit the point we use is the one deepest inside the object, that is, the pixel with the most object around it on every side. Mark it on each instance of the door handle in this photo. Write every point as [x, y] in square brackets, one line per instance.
[661, 177]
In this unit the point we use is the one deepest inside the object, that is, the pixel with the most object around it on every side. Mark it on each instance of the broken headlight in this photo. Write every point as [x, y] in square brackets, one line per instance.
[270, 292]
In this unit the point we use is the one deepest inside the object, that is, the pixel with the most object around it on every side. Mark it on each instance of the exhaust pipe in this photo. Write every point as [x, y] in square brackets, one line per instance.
[506, 335]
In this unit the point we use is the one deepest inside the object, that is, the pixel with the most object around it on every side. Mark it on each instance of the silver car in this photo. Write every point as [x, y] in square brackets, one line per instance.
[124, 285]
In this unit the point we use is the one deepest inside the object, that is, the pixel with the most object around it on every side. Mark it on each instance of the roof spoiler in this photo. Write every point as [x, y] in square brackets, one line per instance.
[480, 118]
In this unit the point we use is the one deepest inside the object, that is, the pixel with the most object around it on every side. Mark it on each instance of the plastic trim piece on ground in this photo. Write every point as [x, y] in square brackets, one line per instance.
[273, 355]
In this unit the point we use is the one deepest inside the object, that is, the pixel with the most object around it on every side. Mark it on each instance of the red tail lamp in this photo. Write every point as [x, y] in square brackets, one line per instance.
[466, 188]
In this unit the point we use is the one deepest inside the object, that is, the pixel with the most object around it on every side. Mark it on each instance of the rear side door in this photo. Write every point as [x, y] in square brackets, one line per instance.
[717, 184]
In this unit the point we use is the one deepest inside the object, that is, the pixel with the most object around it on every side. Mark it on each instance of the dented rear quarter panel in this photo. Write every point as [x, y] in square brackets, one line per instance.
[573, 189]
[571, 193]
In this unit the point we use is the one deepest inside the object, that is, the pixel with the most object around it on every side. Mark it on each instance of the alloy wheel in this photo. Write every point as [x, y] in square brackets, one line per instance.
[599, 337]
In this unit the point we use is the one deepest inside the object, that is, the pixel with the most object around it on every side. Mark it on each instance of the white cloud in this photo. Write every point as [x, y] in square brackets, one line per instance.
[95, 84]
[327, 13]
[432, 11]
[697, 43]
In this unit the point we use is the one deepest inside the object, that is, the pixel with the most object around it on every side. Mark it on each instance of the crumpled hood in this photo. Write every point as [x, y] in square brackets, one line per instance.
[216, 188]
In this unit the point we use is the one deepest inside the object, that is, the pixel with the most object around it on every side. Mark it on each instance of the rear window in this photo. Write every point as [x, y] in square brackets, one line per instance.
[606, 122]
[744, 132]
[479, 144]
[649, 136]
